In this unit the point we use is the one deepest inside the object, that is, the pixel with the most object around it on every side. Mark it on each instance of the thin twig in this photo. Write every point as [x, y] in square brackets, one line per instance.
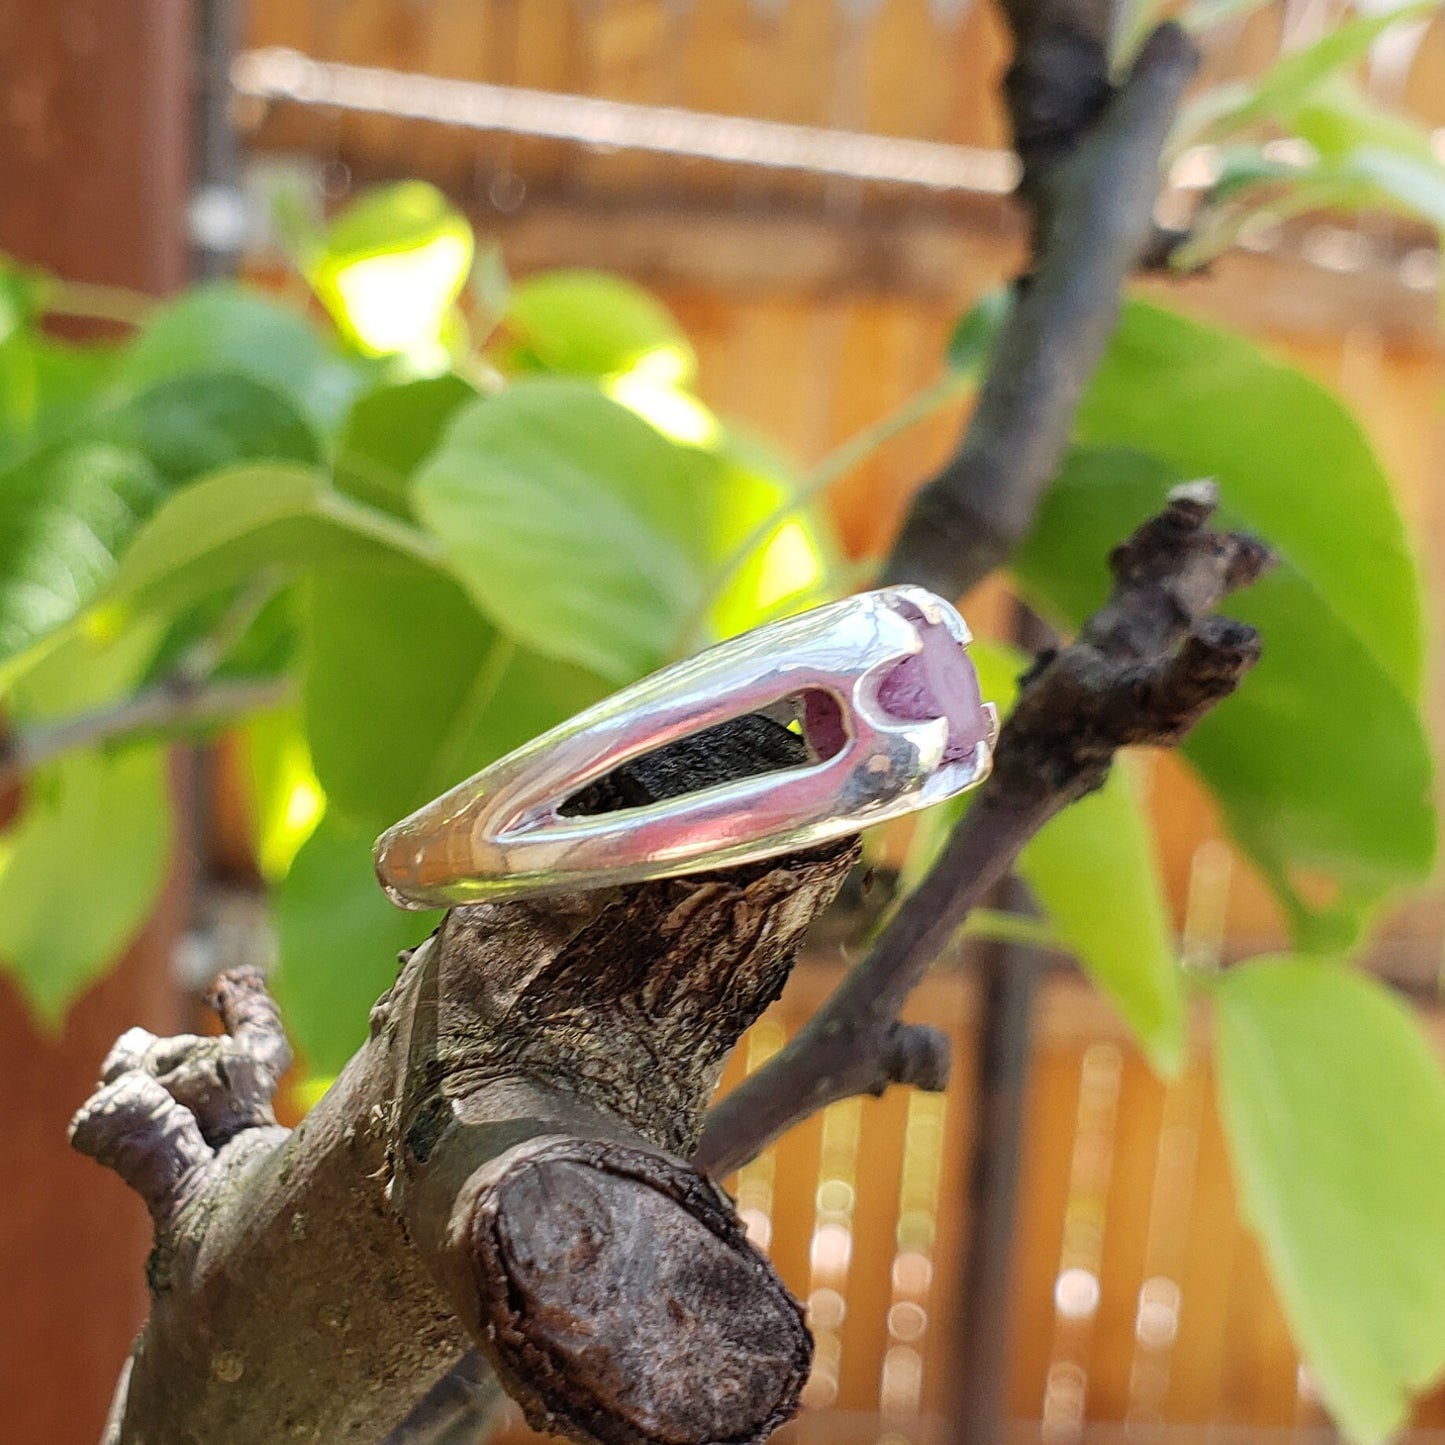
[1143, 670]
[164, 707]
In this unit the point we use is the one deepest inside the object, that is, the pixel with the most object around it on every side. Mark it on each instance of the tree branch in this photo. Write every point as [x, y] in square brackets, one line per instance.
[1143, 671]
[1091, 173]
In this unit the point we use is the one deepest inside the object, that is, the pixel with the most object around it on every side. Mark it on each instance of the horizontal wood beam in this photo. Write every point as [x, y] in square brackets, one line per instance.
[946, 258]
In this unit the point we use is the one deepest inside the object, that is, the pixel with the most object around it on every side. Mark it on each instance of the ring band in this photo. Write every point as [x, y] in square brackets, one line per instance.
[879, 685]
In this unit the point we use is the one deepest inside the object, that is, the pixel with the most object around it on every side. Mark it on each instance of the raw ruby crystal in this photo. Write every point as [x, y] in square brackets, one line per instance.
[939, 681]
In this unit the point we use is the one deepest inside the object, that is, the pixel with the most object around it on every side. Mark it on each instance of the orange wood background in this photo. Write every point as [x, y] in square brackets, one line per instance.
[94, 120]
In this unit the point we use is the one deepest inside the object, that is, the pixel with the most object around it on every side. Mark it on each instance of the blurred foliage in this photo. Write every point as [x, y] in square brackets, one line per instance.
[1306, 136]
[1341, 613]
[1332, 1102]
[442, 511]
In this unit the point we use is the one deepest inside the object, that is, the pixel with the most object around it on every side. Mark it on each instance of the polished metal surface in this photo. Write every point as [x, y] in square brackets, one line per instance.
[501, 834]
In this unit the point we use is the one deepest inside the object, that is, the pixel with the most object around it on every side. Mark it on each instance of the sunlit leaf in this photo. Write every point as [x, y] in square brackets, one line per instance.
[391, 268]
[81, 870]
[571, 522]
[280, 791]
[790, 565]
[1334, 1107]
[590, 323]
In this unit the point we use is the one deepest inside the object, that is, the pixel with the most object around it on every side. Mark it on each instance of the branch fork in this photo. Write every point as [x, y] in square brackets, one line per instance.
[1142, 671]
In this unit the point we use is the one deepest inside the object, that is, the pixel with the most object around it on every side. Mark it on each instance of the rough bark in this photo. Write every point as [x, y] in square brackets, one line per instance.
[523, 1105]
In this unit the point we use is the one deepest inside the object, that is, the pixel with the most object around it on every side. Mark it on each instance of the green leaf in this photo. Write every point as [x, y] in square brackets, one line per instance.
[65, 513]
[788, 565]
[22, 297]
[571, 522]
[1334, 1108]
[232, 525]
[391, 269]
[590, 323]
[282, 798]
[224, 327]
[1406, 182]
[1201, 15]
[201, 422]
[490, 286]
[1095, 871]
[1338, 117]
[391, 430]
[409, 690]
[1294, 78]
[339, 939]
[69, 510]
[1272, 754]
[81, 870]
[85, 669]
[47, 387]
[1292, 462]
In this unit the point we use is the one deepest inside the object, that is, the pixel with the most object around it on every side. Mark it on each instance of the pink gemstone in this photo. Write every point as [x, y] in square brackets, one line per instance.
[939, 681]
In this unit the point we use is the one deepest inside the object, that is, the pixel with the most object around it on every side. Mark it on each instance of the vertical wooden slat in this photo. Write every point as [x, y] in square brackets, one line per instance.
[1126, 1230]
[95, 102]
[94, 119]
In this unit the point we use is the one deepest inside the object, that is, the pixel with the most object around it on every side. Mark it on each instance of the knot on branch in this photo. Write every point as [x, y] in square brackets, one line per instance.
[166, 1106]
[622, 1302]
[1055, 90]
[916, 1054]
[1150, 663]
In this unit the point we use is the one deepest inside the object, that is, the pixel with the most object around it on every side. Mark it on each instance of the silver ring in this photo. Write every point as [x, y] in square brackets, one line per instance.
[879, 685]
